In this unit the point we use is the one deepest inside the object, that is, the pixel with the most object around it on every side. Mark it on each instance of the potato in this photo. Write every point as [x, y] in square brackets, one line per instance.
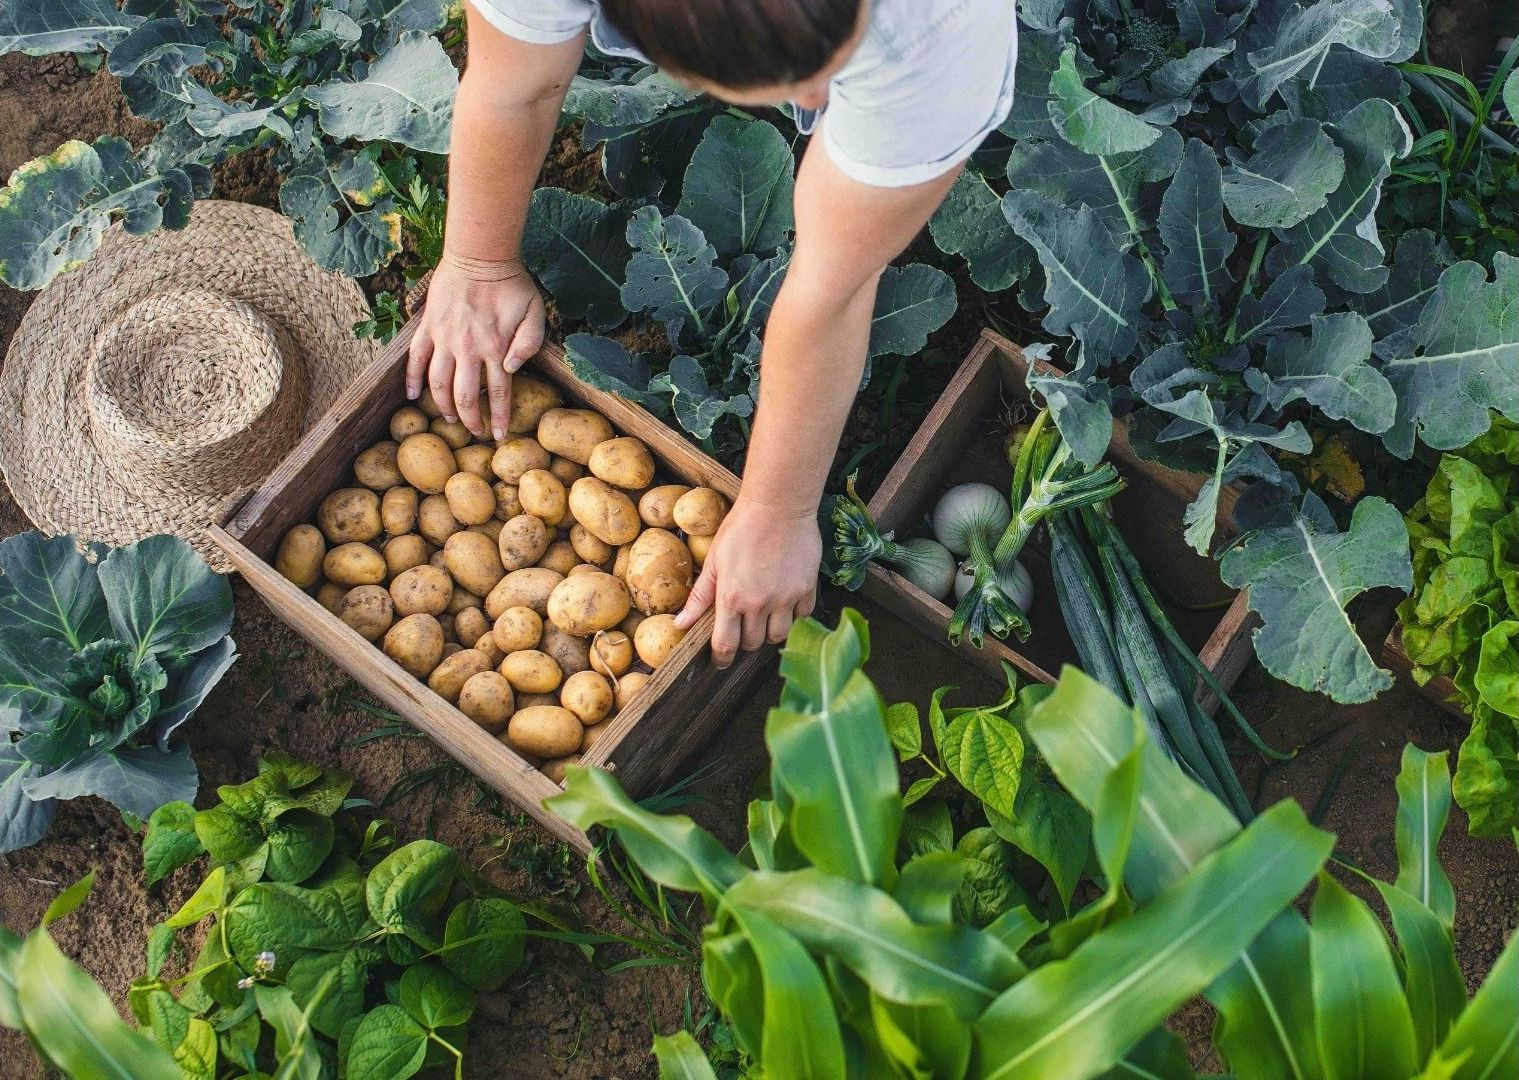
[628, 687]
[532, 672]
[453, 432]
[470, 624]
[474, 561]
[656, 639]
[475, 458]
[470, 498]
[543, 495]
[491, 528]
[698, 546]
[368, 610]
[624, 463]
[546, 731]
[531, 398]
[560, 557]
[426, 462]
[376, 468]
[350, 514]
[700, 511]
[424, 590]
[590, 547]
[659, 572]
[585, 568]
[462, 599]
[587, 695]
[416, 643]
[522, 542]
[487, 699]
[528, 587]
[398, 510]
[586, 603]
[486, 643]
[449, 647]
[573, 433]
[516, 629]
[508, 505]
[568, 471]
[571, 653]
[516, 455]
[631, 624]
[609, 514]
[592, 733]
[330, 596]
[554, 768]
[611, 653]
[435, 520]
[300, 555]
[449, 677]
[354, 564]
[527, 701]
[429, 404]
[449, 637]
[657, 505]
[407, 421]
[620, 564]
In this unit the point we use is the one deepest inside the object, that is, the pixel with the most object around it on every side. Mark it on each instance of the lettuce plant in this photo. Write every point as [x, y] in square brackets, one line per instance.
[103, 655]
[353, 97]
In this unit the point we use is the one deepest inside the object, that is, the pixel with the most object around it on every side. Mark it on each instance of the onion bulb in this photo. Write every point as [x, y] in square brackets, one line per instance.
[1013, 579]
[924, 562]
[967, 511]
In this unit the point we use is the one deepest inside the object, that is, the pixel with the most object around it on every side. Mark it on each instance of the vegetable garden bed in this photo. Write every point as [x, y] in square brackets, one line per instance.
[959, 442]
[647, 742]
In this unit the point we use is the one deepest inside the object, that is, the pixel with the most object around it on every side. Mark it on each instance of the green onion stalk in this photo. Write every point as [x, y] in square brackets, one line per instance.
[857, 542]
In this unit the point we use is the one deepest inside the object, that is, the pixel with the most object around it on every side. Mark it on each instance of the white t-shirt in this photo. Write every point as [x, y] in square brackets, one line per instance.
[929, 80]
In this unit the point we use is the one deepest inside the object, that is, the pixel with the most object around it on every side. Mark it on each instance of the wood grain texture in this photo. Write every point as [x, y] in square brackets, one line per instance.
[686, 701]
[952, 435]
[1440, 689]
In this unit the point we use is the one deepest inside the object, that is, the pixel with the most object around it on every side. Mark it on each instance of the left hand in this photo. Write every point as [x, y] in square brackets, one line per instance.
[761, 572]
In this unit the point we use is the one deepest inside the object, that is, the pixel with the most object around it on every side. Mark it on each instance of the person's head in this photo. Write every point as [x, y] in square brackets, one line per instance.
[750, 52]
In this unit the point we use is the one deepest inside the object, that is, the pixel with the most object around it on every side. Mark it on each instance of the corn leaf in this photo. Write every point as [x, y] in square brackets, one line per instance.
[1484, 1043]
[1423, 786]
[1432, 980]
[680, 1057]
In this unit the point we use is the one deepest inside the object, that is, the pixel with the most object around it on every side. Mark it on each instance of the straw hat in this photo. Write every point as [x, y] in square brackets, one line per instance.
[152, 388]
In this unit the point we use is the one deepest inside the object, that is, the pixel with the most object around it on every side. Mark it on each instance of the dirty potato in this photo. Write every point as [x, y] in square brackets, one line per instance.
[474, 561]
[531, 398]
[470, 498]
[516, 455]
[354, 564]
[416, 643]
[585, 603]
[300, 555]
[587, 695]
[573, 433]
[528, 587]
[398, 510]
[426, 461]
[476, 458]
[700, 511]
[659, 572]
[607, 513]
[376, 467]
[407, 421]
[350, 514]
[516, 629]
[368, 610]
[435, 520]
[656, 638]
[487, 699]
[532, 672]
[611, 653]
[449, 677]
[523, 541]
[545, 731]
[424, 590]
[560, 557]
[657, 505]
[543, 496]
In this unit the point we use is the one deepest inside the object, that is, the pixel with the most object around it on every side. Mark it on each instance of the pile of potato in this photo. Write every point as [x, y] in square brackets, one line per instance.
[532, 582]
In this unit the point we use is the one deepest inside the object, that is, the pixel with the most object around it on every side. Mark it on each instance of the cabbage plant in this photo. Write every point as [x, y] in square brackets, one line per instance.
[104, 654]
[346, 94]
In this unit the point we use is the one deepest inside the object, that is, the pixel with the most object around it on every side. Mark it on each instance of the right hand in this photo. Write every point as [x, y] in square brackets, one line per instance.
[479, 315]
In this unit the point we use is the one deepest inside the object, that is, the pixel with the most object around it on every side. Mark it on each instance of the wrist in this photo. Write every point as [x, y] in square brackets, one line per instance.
[475, 269]
[789, 509]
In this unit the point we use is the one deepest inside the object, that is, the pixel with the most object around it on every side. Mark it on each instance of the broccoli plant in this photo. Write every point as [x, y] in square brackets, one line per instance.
[353, 96]
[1189, 195]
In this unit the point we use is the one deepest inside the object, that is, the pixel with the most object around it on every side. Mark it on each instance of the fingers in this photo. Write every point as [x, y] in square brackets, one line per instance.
[754, 630]
[417, 356]
[529, 336]
[440, 380]
[727, 635]
[500, 384]
[805, 605]
[467, 393]
[778, 626]
[703, 593]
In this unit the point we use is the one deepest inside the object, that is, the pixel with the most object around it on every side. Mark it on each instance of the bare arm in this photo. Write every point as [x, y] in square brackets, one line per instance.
[483, 310]
[762, 568]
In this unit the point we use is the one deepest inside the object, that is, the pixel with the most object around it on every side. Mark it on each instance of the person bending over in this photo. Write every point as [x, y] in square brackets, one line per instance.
[897, 94]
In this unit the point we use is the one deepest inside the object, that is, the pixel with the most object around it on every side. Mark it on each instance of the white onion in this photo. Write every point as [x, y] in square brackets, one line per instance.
[926, 563]
[1015, 582]
[967, 509]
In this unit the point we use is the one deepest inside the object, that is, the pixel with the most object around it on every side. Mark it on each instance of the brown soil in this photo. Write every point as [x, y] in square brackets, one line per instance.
[562, 1017]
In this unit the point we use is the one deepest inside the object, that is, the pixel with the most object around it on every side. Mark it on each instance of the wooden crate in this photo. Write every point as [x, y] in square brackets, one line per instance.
[960, 441]
[1440, 689]
[684, 704]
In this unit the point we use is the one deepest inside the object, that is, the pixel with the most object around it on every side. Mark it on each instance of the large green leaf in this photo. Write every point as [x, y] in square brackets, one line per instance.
[1307, 33]
[1078, 1016]
[138, 780]
[911, 302]
[673, 272]
[388, 1044]
[1094, 289]
[1432, 980]
[1050, 827]
[1467, 336]
[40, 27]
[871, 934]
[406, 96]
[983, 750]
[1089, 122]
[831, 757]
[1423, 786]
[1484, 1043]
[671, 849]
[337, 206]
[1364, 1024]
[48, 589]
[795, 1000]
[23, 819]
[1301, 573]
[1266, 1028]
[737, 188]
[1417, 265]
[411, 883]
[620, 103]
[697, 405]
[607, 365]
[681, 1057]
[1288, 177]
[55, 209]
[1121, 188]
[577, 248]
[170, 841]
[483, 941]
[1198, 243]
[969, 223]
[1329, 367]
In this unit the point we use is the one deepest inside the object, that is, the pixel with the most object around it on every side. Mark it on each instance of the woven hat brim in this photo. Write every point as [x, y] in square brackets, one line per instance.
[55, 470]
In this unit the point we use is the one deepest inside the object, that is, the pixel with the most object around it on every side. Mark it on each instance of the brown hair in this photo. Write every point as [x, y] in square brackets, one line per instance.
[738, 43]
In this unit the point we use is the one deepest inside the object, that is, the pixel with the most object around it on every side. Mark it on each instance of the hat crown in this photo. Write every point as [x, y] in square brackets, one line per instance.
[190, 386]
